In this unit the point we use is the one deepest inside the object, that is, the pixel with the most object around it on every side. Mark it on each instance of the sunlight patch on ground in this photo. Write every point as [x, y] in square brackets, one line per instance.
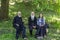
[12, 3]
[53, 19]
[12, 14]
[58, 31]
[55, 34]
[53, 39]
[19, 1]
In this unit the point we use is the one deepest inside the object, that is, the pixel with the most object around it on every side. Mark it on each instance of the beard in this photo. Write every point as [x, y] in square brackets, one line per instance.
[19, 15]
[32, 17]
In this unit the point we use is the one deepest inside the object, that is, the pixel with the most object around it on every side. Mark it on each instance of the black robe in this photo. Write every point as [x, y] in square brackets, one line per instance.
[32, 22]
[18, 20]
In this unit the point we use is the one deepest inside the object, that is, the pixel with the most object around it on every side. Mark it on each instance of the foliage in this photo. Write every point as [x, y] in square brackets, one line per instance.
[49, 9]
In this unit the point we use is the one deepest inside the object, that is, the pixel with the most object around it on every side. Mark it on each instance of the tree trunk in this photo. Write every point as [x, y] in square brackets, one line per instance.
[4, 9]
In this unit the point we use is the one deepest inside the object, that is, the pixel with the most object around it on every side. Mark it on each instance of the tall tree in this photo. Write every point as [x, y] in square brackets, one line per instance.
[4, 9]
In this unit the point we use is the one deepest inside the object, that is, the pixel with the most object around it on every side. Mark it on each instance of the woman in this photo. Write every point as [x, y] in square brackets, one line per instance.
[41, 28]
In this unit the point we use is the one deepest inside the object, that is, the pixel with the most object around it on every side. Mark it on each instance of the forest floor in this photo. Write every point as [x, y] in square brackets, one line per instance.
[7, 32]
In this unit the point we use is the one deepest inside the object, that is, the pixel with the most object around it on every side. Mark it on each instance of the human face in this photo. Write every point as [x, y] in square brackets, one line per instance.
[32, 13]
[19, 14]
[41, 15]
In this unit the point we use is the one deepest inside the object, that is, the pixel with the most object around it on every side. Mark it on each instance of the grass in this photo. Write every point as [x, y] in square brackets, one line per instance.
[7, 32]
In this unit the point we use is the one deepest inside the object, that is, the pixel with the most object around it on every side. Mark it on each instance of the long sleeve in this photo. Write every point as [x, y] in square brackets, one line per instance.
[44, 21]
[37, 22]
[14, 22]
[41, 22]
[28, 21]
[22, 23]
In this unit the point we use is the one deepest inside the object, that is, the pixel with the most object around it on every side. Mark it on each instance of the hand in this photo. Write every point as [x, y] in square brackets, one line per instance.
[17, 24]
[46, 30]
[41, 25]
[34, 26]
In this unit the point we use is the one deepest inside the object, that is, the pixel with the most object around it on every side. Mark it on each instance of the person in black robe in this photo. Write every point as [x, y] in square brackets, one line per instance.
[32, 22]
[19, 26]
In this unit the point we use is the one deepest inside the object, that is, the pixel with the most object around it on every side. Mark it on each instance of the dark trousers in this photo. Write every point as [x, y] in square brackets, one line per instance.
[23, 32]
[31, 29]
[41, 31]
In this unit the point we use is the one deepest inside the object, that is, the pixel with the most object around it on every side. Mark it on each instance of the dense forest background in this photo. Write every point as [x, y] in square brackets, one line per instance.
[49, 8]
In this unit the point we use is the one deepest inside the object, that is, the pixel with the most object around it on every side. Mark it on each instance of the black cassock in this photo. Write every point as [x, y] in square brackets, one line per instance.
[18, 20]
[32, 23]
[20, 28]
